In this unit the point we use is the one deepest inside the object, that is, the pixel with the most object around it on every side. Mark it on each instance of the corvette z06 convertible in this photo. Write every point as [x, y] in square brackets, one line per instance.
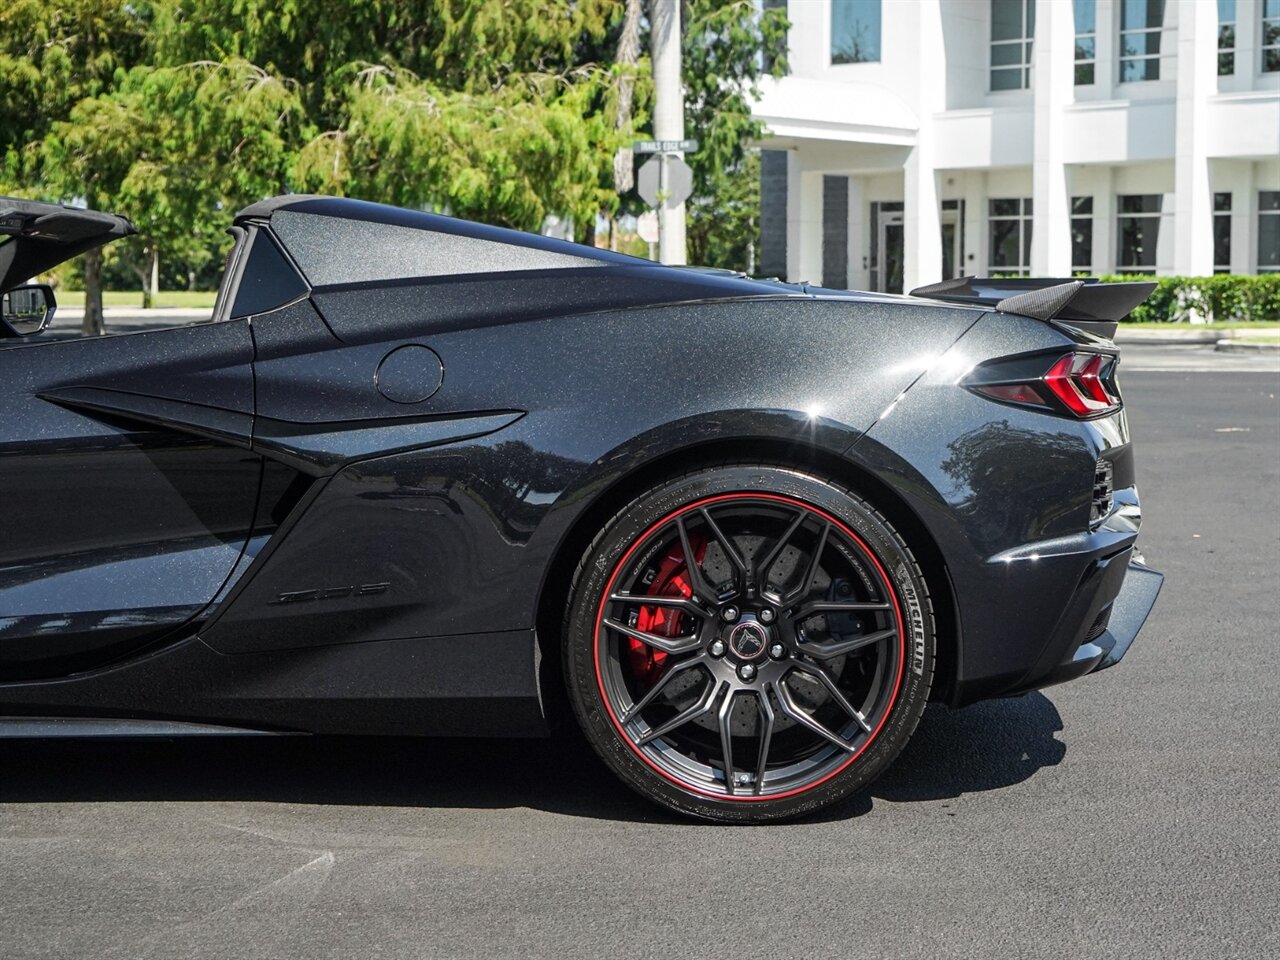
[423, 476]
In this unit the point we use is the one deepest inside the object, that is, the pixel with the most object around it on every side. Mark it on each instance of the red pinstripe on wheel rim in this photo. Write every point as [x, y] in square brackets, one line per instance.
[886, 582]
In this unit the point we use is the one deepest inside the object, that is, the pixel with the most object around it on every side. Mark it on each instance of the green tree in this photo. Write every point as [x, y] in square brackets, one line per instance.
[728, 48]
[52, 56]
[486, 108]
[509, 156]
[460, 45]
[179, 111]
[179, 148]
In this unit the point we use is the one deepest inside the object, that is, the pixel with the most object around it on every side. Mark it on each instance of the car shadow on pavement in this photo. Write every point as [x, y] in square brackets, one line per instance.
[984, 747]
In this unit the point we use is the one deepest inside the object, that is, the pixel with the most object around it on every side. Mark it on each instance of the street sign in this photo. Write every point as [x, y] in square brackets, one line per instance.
[647, 226]
[665, 146]
[676, 189]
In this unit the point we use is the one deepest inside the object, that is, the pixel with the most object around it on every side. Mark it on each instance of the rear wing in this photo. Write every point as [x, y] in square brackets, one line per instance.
[1085, 302]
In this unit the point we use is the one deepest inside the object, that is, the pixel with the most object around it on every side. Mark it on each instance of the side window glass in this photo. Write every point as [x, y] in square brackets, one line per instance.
[230, 268]
[266, 281]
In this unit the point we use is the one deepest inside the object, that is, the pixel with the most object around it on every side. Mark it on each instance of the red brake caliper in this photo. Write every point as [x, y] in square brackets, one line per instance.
[672, 580]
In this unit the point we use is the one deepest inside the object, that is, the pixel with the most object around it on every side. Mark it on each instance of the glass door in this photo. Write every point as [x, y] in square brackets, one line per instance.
[891, 248]
[952, 239]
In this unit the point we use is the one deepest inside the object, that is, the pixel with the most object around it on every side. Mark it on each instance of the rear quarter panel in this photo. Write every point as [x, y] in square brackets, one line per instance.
[1005, 492]
[464, 534]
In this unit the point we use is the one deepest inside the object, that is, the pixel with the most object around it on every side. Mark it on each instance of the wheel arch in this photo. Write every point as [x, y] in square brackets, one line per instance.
[573, 544]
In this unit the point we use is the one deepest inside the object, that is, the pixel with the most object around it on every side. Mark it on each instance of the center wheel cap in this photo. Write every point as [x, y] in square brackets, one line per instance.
[748, 640]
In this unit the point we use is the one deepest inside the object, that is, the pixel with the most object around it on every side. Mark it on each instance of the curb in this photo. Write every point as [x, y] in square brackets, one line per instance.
[1164, 337]
[1245, 346]
[138, 314]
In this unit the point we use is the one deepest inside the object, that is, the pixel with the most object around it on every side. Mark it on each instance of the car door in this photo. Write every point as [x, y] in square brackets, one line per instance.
[127, 483]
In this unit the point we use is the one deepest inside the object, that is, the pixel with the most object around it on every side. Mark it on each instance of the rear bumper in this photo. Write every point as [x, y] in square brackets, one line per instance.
[1125, 615]
[1129, 612]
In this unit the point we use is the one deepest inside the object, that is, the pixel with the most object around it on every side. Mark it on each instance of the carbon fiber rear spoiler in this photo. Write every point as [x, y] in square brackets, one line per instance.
[1084, 302]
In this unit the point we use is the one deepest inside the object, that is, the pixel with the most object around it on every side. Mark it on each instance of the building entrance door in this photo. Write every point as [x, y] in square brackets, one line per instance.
[952, 240]
[889, 272]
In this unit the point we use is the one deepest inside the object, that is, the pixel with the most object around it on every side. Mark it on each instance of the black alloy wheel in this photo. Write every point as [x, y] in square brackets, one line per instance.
[748, 643]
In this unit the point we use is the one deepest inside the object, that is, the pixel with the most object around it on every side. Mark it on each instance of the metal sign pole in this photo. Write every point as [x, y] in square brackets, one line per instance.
[662, 202]
[668, 119]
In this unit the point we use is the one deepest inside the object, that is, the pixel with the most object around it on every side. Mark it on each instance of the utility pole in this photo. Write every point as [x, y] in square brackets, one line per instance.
[668, 116]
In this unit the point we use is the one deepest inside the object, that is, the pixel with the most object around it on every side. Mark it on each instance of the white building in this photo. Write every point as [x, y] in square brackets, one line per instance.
[916, 140]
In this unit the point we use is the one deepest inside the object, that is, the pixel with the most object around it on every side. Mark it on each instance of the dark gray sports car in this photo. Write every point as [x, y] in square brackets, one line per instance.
[423, 476]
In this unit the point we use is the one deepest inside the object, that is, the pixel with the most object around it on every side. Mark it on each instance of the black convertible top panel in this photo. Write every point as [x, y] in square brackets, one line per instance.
[375, 268]
[35, 236]
[337, 240]
[357, 313]
[330, 250]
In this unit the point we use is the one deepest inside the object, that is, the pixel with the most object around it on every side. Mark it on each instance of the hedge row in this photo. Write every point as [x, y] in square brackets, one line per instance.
[1226, 298]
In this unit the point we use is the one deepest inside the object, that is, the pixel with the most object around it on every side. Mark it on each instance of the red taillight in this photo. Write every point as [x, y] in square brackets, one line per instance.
[1076, 380]
[1090, 378]
[1080, 384]
[1013, 393]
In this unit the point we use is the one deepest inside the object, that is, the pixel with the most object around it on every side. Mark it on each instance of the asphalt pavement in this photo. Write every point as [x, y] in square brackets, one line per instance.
[1129, 815]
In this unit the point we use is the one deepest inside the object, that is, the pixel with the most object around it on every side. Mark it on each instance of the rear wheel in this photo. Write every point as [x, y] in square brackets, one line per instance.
[748, 643]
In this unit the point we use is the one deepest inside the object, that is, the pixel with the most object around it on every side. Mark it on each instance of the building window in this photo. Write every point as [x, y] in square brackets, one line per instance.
[1270, 36]
[1010, 236]
[1013, 24]
[1222, 233]
[1139, 234]
[1140, 24]
[835, 232]
[1226, 37]
[1082, 235]
[855, 31]
[1086, 41]
[1269, 231]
